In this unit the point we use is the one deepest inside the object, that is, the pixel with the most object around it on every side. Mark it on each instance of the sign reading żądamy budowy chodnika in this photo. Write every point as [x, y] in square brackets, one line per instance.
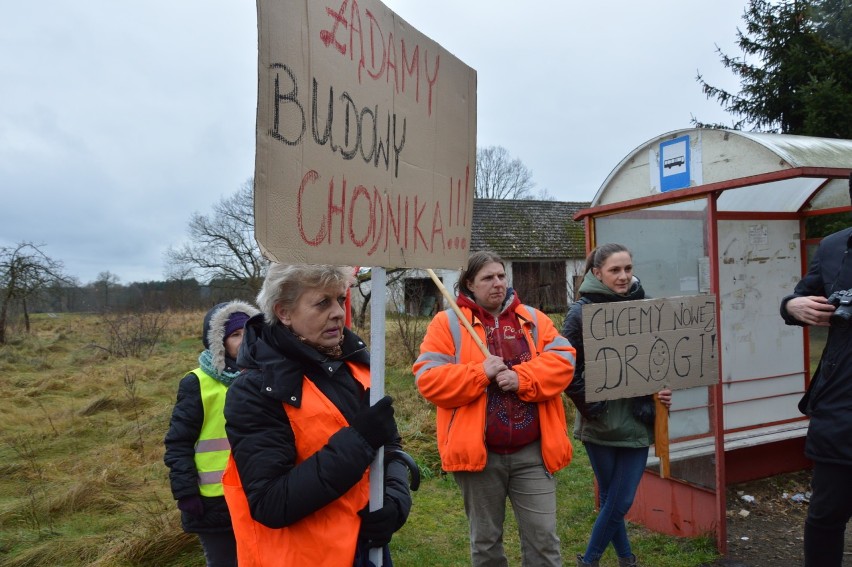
[366, 139]
[634, 348]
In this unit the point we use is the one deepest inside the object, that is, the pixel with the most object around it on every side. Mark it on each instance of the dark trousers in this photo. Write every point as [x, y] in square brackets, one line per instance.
[220, 548]
[828, 513]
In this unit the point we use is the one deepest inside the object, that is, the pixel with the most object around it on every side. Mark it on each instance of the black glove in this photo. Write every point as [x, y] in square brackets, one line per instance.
[378, 527]
[375, 423]
[192, 505]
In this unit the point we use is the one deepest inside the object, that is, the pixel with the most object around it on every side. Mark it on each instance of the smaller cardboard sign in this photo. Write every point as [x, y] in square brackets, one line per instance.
[635, 348]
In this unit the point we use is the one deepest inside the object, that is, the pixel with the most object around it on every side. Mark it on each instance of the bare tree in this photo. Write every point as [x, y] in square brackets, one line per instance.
[498, 176]
[104, 283]
[222, 245]
[393, 275]
[25, 272]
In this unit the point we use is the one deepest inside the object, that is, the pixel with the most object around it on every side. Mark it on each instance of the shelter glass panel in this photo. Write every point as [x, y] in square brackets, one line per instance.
[786, 195]
[670, 249]
[835, 193]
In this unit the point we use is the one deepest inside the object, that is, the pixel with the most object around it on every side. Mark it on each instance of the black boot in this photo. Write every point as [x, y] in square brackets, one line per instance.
[581, 563]
[628, 561]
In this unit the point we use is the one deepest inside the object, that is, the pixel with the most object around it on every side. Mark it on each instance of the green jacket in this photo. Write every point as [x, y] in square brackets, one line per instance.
[615, 427]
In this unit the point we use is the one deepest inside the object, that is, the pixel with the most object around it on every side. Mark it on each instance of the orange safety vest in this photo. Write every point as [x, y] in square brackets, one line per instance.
[327, 537]
[449, 373]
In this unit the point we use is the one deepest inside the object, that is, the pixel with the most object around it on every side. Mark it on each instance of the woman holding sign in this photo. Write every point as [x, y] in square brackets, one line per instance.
[615, 433]
[303, 432]
[501, 422]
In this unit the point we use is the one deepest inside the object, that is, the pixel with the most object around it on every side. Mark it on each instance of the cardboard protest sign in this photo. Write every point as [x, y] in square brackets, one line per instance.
[635, 348]
[366, 139]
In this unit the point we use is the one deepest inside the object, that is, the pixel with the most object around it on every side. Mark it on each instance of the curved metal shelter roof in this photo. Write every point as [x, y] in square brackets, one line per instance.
[772, 172]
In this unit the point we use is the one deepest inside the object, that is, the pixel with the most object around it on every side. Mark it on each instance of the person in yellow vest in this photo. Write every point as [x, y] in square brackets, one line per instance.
[196, 445]
[303, 432]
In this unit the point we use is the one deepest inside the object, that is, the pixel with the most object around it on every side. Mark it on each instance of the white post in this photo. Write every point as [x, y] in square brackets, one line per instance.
[378, 303]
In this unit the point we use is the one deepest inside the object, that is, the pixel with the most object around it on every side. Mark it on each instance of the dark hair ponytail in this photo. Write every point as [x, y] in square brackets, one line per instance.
[599, 255]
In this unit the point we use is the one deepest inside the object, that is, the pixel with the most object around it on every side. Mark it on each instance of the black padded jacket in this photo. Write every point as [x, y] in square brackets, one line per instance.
[829, 400]
[280, 492]
[184, 429]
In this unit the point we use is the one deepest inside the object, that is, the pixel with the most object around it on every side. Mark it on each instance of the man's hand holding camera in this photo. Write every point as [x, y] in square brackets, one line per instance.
[811, 310]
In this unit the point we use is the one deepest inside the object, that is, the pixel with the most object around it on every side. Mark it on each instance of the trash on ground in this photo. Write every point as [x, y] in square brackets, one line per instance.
[800, 497]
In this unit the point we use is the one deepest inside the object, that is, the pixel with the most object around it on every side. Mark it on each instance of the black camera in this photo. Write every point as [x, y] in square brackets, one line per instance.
[842, 301]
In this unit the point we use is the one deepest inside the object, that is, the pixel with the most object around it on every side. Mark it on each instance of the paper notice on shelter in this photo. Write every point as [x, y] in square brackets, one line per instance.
[366, 139]
[634, 348]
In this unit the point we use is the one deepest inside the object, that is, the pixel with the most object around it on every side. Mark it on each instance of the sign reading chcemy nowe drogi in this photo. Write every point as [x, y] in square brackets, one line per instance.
[366, 139]
[634, 348]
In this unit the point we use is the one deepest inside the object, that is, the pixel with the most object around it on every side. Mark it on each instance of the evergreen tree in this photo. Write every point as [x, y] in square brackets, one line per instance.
[801, 81]
[828, 101]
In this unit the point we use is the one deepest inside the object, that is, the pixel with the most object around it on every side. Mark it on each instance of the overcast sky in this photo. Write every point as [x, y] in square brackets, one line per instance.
[118, 120]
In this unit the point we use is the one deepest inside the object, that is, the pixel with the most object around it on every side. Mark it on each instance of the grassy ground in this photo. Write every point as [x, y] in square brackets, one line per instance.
[82, 480]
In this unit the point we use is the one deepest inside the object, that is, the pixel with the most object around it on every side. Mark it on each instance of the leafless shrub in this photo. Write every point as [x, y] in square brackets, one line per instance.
[156, 536]
[130, 391]
[24, 447]
[133, 335]
[49, 419]
[410, 328]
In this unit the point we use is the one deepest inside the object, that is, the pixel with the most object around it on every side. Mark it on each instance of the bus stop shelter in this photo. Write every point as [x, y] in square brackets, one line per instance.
[737, 215]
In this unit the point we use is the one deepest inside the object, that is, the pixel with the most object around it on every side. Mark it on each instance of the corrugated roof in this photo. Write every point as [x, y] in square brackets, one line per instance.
[717, 156]
[526, 229]
[804, 151]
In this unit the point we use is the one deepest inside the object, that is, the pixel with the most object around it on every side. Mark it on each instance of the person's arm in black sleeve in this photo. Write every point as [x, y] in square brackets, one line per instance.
[396, 490]
[378, 526]
[184, 429]
[279, 492]
[572, 329]
[396, 482]
[810, 285]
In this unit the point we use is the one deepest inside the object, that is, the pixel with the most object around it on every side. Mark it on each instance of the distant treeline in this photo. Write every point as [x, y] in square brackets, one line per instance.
[137, 297]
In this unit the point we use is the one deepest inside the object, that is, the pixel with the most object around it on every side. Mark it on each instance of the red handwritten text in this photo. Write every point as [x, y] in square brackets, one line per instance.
[377, 52]
[374, 219]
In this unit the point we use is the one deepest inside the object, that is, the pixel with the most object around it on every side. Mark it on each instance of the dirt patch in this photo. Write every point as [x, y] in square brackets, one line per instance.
[766, 522]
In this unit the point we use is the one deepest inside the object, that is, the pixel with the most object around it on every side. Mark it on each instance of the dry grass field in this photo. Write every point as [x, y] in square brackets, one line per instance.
[82, 480]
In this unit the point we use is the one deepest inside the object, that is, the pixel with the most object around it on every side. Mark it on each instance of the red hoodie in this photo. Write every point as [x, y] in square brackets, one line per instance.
[510, 422]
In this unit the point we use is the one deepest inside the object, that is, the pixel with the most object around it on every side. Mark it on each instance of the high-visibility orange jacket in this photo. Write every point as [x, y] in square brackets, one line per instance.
[326, 537]
[298, 472]
[449, 373]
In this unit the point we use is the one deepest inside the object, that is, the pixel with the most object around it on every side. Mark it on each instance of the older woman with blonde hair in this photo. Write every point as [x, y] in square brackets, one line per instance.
[303, 433]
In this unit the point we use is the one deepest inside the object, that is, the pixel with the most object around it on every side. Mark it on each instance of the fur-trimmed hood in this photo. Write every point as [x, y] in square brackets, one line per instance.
[213, 333]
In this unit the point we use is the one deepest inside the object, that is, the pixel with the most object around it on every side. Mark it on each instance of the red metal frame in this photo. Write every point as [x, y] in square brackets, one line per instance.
[673, 506]
[694, 192]
[717, 401]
